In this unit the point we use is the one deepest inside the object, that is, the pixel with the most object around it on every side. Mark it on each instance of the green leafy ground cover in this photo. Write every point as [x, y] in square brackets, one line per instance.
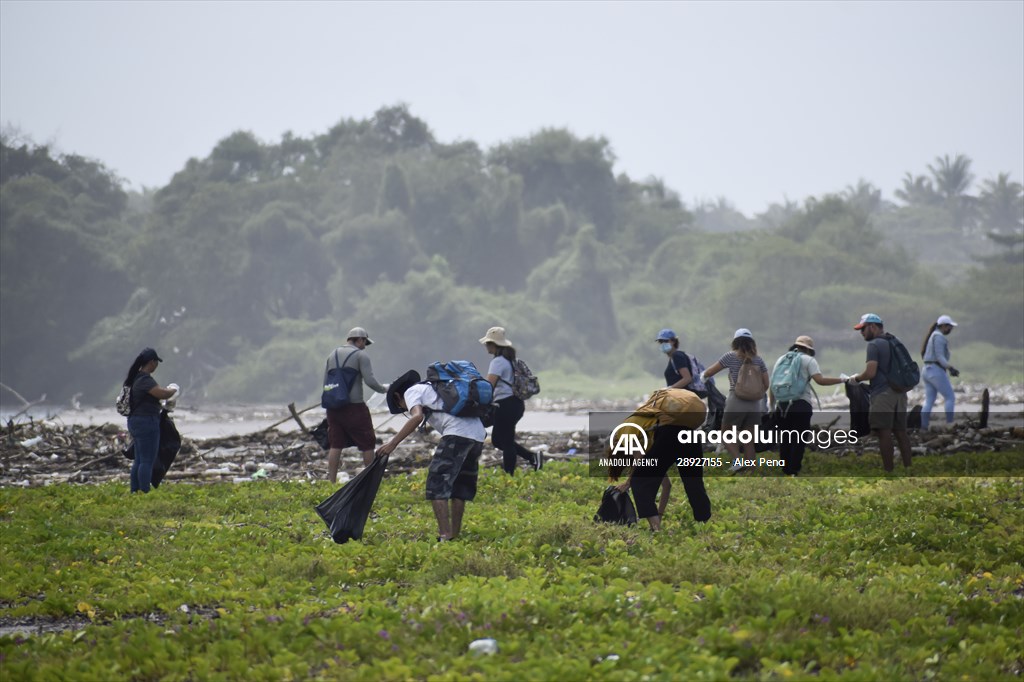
[810, 578]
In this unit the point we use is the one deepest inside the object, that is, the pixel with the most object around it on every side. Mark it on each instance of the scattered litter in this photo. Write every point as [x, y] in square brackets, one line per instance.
[484, 647]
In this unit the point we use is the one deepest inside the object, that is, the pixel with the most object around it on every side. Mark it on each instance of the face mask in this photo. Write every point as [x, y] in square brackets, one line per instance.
[666, 348]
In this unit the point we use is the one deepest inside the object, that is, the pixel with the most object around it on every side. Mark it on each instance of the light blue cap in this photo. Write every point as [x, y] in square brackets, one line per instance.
[869, 318]
[666, 335]
[742, 331]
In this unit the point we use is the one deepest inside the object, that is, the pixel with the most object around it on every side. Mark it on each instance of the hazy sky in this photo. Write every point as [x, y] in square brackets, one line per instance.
[752, 101]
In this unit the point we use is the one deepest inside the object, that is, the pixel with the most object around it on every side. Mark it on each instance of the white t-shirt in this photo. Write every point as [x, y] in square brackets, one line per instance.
[502, 367]
[446, 424]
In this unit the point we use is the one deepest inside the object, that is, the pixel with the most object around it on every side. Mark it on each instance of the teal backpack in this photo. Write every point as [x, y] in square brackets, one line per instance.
[789, 381]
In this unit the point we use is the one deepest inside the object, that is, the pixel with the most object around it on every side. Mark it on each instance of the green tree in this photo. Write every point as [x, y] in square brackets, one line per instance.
[556, 167]
[917, 190]
[953, 178]
[394, 191]
[577, 284]
[57, 274]
[285, 268]
[1002, 205]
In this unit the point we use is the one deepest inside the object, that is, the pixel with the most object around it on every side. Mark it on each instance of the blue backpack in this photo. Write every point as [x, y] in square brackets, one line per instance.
[462, 389]
[338, 381]
[789, 380]
[696, 369]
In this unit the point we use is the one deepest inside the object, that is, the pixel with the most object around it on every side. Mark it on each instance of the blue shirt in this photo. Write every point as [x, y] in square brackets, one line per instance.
[937, 349]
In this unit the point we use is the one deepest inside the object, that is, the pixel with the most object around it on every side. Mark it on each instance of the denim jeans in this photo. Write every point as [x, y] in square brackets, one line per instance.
[936, 381]
[145, 432]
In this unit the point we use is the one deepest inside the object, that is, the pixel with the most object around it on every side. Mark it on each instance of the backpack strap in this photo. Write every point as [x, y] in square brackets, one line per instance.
[344, 364]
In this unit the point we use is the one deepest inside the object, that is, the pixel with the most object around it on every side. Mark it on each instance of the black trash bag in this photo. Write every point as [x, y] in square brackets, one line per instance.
[346, 511]
[716, 407]
[860, 406]
[170, 444]
[914, 418]
[319, 434]
[616, 507]
[769, 424]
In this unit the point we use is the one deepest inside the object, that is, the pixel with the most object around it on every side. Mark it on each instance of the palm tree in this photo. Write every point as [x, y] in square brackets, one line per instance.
[1002, 204]
[952, 180]
[918, 191]
[864, 196]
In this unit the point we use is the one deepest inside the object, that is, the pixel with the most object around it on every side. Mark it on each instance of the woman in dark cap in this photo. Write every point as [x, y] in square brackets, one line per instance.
[144, 416]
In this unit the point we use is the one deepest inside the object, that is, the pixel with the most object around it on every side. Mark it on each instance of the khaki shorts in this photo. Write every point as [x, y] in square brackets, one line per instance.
[888, 411]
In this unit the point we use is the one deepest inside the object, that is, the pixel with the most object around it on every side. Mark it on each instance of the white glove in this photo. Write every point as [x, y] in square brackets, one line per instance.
[173, 387]
[704, 376]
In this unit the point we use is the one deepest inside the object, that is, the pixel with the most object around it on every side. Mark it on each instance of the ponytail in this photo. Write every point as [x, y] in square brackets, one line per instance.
[133, 371]
[928, 337]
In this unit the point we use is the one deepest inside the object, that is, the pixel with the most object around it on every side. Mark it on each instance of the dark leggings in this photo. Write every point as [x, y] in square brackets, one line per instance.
[503, 435]
[791, 449]
[647, 479]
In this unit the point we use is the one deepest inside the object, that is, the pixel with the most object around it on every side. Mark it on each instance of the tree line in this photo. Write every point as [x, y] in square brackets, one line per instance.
[249, 265]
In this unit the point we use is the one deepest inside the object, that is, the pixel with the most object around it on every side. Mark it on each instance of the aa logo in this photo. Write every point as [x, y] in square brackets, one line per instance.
[629, 440]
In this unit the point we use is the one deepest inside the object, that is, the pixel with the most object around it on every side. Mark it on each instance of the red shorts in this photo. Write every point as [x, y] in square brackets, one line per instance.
[351, 425]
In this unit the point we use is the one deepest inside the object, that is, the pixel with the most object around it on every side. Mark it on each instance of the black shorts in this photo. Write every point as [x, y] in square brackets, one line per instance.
[454, 468]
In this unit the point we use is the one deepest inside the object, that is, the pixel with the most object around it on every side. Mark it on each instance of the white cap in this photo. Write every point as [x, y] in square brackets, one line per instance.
[945, 319]
[742, 331]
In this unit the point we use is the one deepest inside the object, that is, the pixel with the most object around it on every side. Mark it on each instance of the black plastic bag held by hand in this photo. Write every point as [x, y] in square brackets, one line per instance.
[346, 511]
[616, 507]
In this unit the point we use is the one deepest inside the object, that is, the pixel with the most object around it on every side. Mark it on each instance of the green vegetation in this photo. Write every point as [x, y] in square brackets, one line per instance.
[817, 578]
[249, 266]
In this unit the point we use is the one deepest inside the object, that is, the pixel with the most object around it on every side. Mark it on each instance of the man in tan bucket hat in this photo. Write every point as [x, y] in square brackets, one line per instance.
[351, 424]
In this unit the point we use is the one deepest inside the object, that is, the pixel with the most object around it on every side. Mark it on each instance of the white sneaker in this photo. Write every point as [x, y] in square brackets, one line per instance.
[736, 468]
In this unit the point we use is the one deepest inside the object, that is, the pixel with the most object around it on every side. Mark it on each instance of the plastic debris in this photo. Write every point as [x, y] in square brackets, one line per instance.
[484, 647]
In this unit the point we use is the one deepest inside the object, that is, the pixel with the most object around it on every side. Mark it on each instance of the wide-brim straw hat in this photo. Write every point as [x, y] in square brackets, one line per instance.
[496, 335]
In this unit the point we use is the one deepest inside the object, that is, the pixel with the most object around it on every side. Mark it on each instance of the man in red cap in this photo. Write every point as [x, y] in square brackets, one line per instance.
[888, 413]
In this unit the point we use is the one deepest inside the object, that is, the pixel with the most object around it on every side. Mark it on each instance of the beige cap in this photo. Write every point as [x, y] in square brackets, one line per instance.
[359, 333]
[496, 335]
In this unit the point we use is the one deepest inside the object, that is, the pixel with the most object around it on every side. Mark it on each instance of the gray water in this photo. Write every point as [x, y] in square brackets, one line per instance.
[228, 420]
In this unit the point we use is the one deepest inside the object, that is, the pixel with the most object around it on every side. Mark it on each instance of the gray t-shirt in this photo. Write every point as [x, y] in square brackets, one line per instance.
[361, 362]
[878, 350]
[502, 367]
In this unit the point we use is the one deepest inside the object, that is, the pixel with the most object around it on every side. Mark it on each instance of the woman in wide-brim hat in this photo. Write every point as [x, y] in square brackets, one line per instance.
[501, 374]
[796, 414]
